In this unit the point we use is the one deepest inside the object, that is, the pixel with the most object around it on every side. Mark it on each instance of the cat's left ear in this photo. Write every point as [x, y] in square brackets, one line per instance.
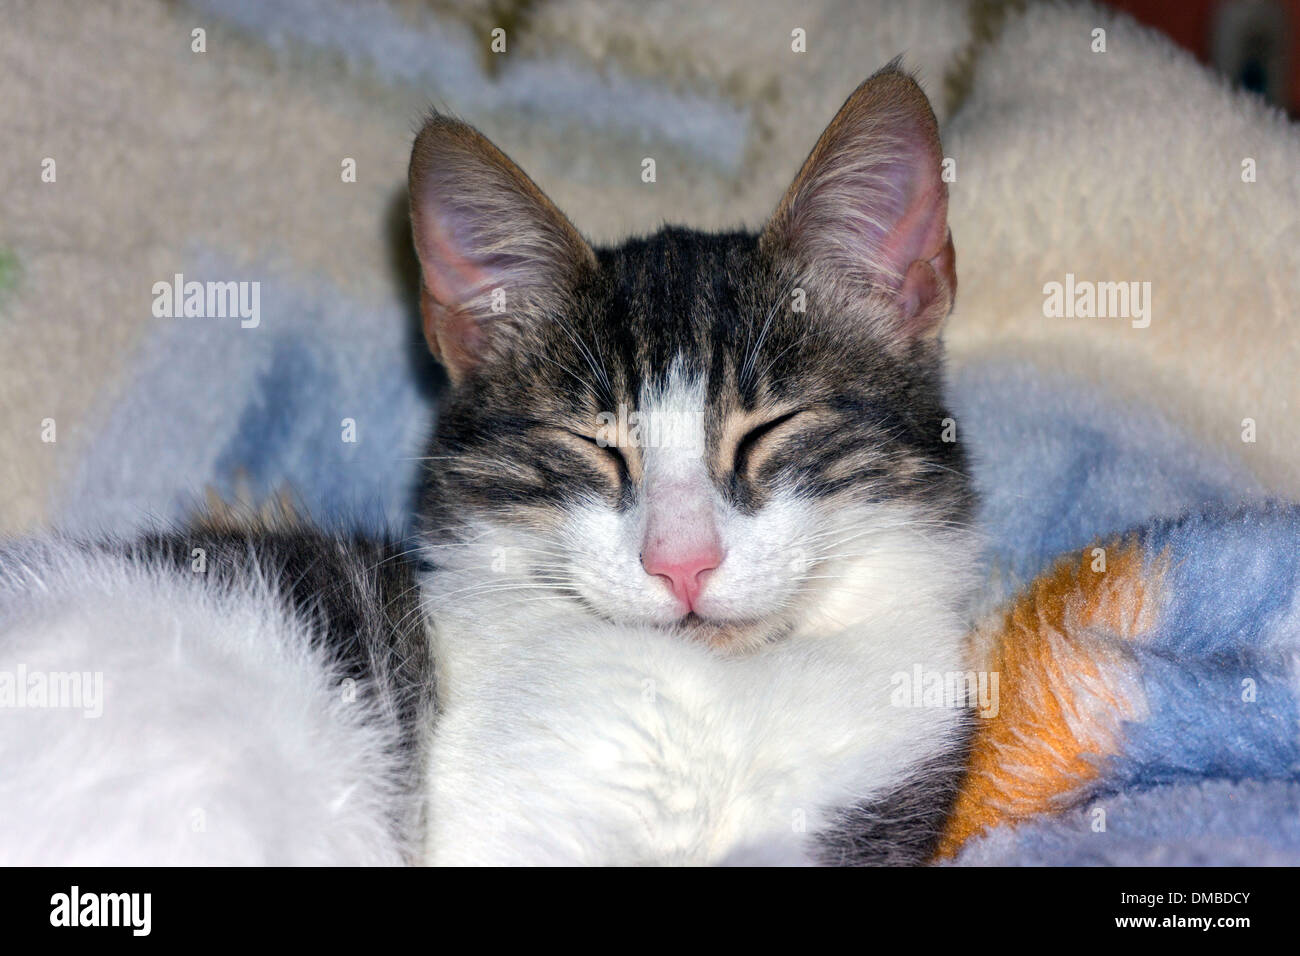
[494, 251]
[866, 219]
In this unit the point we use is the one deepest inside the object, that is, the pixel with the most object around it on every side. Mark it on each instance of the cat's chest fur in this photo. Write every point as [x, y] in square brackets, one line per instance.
[565, 740]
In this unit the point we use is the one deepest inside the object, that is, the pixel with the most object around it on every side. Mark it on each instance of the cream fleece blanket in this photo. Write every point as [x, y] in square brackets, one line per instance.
[1128, 166]
[1122, 166]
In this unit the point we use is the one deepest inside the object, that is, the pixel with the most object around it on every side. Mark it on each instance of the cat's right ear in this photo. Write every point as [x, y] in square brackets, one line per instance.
[493, 250]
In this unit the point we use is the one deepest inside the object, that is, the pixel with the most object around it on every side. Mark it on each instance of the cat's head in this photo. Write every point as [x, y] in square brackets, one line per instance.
[711, 432]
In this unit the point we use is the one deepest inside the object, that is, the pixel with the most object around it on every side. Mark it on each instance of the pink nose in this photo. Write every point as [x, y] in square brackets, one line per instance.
[685, 573]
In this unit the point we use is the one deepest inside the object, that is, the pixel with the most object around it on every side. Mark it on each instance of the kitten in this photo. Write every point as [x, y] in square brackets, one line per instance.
[688, 513]
[690, 509]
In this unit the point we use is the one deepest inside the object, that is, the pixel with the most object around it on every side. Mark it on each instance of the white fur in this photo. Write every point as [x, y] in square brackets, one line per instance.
[567, 740]
[224, 738]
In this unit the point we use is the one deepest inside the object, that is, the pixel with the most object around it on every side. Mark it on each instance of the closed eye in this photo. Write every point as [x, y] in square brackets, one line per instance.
[753, 438]
[611, 453]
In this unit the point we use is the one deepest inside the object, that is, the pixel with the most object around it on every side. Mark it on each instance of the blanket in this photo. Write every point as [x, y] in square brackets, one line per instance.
[1155, 668]
[1159, 438]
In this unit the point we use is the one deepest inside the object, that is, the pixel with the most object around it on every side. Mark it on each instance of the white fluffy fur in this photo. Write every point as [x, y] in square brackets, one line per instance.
[224, 739]
[564, 740]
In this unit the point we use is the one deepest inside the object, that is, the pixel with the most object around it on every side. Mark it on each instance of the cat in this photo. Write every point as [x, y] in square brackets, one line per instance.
[689, 511]
[704, 619]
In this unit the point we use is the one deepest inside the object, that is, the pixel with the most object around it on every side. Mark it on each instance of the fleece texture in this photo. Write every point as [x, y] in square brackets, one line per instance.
[1168, 656]
[1132, 165]
[227, 165]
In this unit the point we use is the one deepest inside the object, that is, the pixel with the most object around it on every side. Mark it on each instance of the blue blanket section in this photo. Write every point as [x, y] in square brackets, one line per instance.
[1220, 668]
[1209, 772]
[207, 403]
[1208, 823]
[1059, 464]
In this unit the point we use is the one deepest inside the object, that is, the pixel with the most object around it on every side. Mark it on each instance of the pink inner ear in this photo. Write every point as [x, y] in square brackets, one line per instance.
[925, 284]
[919, 230]
[451, 275]
[892, 176]
[454, 278]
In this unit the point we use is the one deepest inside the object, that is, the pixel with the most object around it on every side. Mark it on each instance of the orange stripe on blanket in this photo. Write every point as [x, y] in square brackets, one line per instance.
[1067, 681]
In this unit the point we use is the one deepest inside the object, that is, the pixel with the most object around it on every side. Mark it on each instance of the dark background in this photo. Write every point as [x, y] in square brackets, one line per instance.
[1256, 43]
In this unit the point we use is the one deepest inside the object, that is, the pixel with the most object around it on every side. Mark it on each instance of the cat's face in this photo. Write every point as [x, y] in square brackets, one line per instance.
[712, 433]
